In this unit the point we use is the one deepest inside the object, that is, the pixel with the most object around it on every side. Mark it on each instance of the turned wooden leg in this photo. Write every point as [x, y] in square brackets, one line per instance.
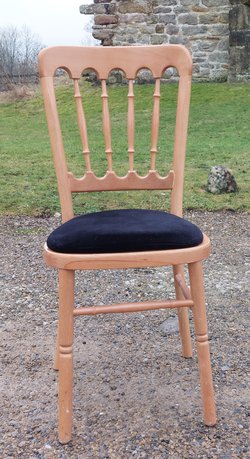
[183, 316]
[66, 305]
[56, 354]
[200, 325]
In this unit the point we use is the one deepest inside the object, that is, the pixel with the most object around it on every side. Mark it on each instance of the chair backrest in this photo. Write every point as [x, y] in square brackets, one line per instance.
[130, 60]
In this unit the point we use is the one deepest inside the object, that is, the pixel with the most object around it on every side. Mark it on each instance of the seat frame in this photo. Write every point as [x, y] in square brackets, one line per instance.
[129, 59]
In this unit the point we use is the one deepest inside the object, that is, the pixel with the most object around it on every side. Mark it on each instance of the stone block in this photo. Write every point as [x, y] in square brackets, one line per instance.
[207, 45]
[130, 30]
[132, 18]
[170, 72]
[158, 39]
[176, 40]
[102, 34]
[213, 18]
[239, 64]
[87, 9]
[146, 29]
[144, 76]
[239, 18]
[181, 9]
[190, 3]
[204, 71]
[211, 3]
[162, 9]
[105, 19]
[132, 40]
[239, 38]
[102, 1]
[223, 44]
[105, 8]
[172, 29]
[186, 18]
[199, 60]
[218, 29]
[200, 8]
[107, 42]
[167, 18]
[169, 2]
[196, 68]
[135, 6]
[159, 28]
[219, 75]
[199, 54]
[218, 57]
[194, 30]
[145, 39]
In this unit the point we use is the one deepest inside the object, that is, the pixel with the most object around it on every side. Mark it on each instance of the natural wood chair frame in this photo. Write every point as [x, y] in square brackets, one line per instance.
[129, 59]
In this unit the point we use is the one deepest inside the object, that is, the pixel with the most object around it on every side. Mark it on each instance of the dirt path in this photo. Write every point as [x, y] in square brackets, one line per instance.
[134, 395]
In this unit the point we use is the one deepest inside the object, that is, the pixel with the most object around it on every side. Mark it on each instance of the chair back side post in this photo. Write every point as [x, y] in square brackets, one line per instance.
[57, 147]
[180, 141]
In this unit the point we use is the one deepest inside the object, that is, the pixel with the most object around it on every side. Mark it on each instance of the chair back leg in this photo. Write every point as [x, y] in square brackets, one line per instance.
[183, 316]
[66, 306]
[200, 325]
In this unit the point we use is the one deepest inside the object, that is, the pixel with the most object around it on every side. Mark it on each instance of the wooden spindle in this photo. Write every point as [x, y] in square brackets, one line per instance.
[155, 123]
[82, 125]
[106, 125]
[131, 125]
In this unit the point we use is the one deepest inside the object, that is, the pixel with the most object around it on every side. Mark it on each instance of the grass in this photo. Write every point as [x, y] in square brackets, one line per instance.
[218, 135]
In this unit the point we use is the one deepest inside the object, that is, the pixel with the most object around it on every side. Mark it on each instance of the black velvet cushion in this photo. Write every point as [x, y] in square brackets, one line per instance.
[124, 231]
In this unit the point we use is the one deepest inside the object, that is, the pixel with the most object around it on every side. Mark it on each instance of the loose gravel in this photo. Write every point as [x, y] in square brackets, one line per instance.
[134, 395]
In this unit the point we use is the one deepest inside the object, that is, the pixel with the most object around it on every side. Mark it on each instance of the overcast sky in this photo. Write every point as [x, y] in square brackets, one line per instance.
[57, 22]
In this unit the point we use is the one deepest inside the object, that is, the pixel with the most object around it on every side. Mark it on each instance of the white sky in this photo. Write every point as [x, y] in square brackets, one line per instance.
[57, 22]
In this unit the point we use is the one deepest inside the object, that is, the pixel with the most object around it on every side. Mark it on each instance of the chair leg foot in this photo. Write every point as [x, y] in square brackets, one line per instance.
[65, 396]
[185, 333]
[66, 305]
[183, 316]
[200, 325]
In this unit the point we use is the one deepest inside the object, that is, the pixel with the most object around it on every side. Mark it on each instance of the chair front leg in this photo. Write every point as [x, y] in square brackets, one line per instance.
[66, 305]
[56, 352]
[183, 316]
[200, 325]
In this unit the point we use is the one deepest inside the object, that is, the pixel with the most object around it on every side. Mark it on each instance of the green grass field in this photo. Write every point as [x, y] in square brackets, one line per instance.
[219, 134]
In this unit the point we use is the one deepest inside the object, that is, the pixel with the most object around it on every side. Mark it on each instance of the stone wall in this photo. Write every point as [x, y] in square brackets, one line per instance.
[201, 25]
[239, 41]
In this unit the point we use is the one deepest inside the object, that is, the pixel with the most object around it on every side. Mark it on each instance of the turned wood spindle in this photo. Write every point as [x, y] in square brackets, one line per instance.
[131, 125]
[82, 125]
[155, 122]
[106, 125]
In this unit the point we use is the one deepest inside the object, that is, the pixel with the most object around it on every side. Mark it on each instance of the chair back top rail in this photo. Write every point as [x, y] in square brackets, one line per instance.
[76, 59]
[130, 59]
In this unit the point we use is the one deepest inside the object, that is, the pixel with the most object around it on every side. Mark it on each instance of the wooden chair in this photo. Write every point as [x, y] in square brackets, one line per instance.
[83, 243]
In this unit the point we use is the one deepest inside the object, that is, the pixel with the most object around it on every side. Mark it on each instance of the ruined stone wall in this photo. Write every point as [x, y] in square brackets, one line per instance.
[201, 25]
[239, 41]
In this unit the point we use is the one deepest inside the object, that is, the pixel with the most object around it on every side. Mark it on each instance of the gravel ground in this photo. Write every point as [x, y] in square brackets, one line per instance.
[134, 395]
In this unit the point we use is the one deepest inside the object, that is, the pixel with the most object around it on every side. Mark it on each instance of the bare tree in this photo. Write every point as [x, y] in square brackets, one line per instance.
[18, 54]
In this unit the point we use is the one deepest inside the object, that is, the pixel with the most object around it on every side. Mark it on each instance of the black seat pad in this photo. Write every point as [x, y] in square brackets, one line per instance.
[128, 230]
